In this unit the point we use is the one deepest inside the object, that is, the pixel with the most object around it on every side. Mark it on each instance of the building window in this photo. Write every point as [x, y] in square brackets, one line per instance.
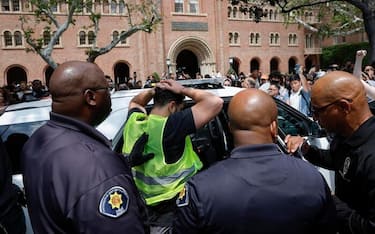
[229, 11]
[91, 37]
[121, 7]
[82, 38]
[18, 38]
[230, 38]
[274, 39]
[5, 5]
[292, 39]
[234, 12]
[124, 41]
[115, 35]
[46, 37]
[309, 41]
[16, 5]
[13, 5]
[8, 38]
[113, 7]
[193, 5]
[254, 39]
[179, 6]
[236, 38]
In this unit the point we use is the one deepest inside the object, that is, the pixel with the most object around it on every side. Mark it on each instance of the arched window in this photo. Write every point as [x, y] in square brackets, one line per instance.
[123, 41]
[17, 38]
[57, 40]
[114, 35]
[113, 7]
[295, 39]
[290, 39]
[230, 38]
[97, 6]
[179, 6]
[271, 14]
[252, 38]
[82, 38]
[257, 38]
[91, 37]
[277, 39]
[16, 5]
[234, 12]
[275, 15]
[229, 11]
[236, 38]
[8, 38]
[121, 9]
[46, 37]
[271, 38]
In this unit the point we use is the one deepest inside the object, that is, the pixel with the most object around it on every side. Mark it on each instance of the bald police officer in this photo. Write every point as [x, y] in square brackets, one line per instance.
[258, 189]
[74, 182]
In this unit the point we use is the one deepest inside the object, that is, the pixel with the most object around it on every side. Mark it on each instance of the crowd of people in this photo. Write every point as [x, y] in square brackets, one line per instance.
[75, 183]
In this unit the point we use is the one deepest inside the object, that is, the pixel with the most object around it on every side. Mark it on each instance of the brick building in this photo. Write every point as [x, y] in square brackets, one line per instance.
[206, 36]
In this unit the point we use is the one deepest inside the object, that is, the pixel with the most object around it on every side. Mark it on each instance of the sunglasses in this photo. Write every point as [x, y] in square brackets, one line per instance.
[315, 111]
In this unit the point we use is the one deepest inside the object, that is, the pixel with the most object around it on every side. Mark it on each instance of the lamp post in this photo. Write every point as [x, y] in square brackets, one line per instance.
[168, 62]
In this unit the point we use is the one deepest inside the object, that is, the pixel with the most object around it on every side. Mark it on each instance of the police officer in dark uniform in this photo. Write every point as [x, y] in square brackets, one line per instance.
[339, 104]
[258, 189]
[12, 219]
[74, 182]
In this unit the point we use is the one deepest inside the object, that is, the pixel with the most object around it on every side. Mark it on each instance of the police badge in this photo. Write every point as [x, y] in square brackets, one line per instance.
[114, 202]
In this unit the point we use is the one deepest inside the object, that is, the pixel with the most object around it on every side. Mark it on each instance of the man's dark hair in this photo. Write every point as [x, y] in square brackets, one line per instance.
[294, 77]
[163, 96]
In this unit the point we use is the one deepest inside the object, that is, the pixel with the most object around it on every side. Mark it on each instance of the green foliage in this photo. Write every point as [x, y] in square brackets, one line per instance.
[340, 54]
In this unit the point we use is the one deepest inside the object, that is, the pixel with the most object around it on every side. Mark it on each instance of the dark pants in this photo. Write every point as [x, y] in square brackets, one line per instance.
[13, 222]
[160, 217]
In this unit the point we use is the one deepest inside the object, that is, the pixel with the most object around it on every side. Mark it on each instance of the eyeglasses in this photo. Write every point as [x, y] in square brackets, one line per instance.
[98, 88]
[316, 111]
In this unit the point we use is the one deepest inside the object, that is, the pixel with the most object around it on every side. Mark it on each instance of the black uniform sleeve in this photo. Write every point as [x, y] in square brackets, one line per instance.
[319, 157]
[111, 207]
[189, 213]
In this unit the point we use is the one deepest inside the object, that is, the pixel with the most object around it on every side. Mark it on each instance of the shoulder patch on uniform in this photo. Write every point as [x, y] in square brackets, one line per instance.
[183, 197]
[114, 202]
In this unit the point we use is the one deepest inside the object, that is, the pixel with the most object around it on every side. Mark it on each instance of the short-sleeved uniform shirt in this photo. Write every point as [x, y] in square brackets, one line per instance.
[75, 183]
[256, 190]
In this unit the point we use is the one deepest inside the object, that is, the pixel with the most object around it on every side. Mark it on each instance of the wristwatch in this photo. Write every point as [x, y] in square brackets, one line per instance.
[305, 146]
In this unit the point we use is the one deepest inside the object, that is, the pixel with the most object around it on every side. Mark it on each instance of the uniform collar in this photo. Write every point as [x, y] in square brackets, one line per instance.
[362, 134]
[255, 151]
[76, 125]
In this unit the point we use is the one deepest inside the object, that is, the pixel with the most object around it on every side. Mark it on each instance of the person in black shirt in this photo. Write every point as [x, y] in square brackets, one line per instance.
[74, 182]
[258, 189]
[339, 104]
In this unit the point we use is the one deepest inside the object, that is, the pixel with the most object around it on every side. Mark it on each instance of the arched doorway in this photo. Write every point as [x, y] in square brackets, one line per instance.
[48, 74]
[187, 62]
[274, 65]
[254, 65]
[234, 64]
[121, 73]
[203, 56]
[291, 64]
[16, 75]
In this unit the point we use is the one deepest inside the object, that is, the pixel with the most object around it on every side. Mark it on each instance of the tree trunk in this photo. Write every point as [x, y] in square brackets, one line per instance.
[369, 22]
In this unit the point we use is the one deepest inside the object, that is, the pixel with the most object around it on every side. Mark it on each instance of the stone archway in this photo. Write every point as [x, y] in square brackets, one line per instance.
[205, 61]
[16, 74]
[121, 73]
[291, 65]
[274, 64]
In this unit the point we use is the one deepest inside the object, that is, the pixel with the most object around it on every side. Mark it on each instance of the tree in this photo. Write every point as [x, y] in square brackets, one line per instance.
[139, 15]
[342, 17]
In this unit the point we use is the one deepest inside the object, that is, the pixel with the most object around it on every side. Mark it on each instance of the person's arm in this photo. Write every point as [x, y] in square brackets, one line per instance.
[304, 82]
[141, 99]
[314, 155]
[357, 72]
[207, 105]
